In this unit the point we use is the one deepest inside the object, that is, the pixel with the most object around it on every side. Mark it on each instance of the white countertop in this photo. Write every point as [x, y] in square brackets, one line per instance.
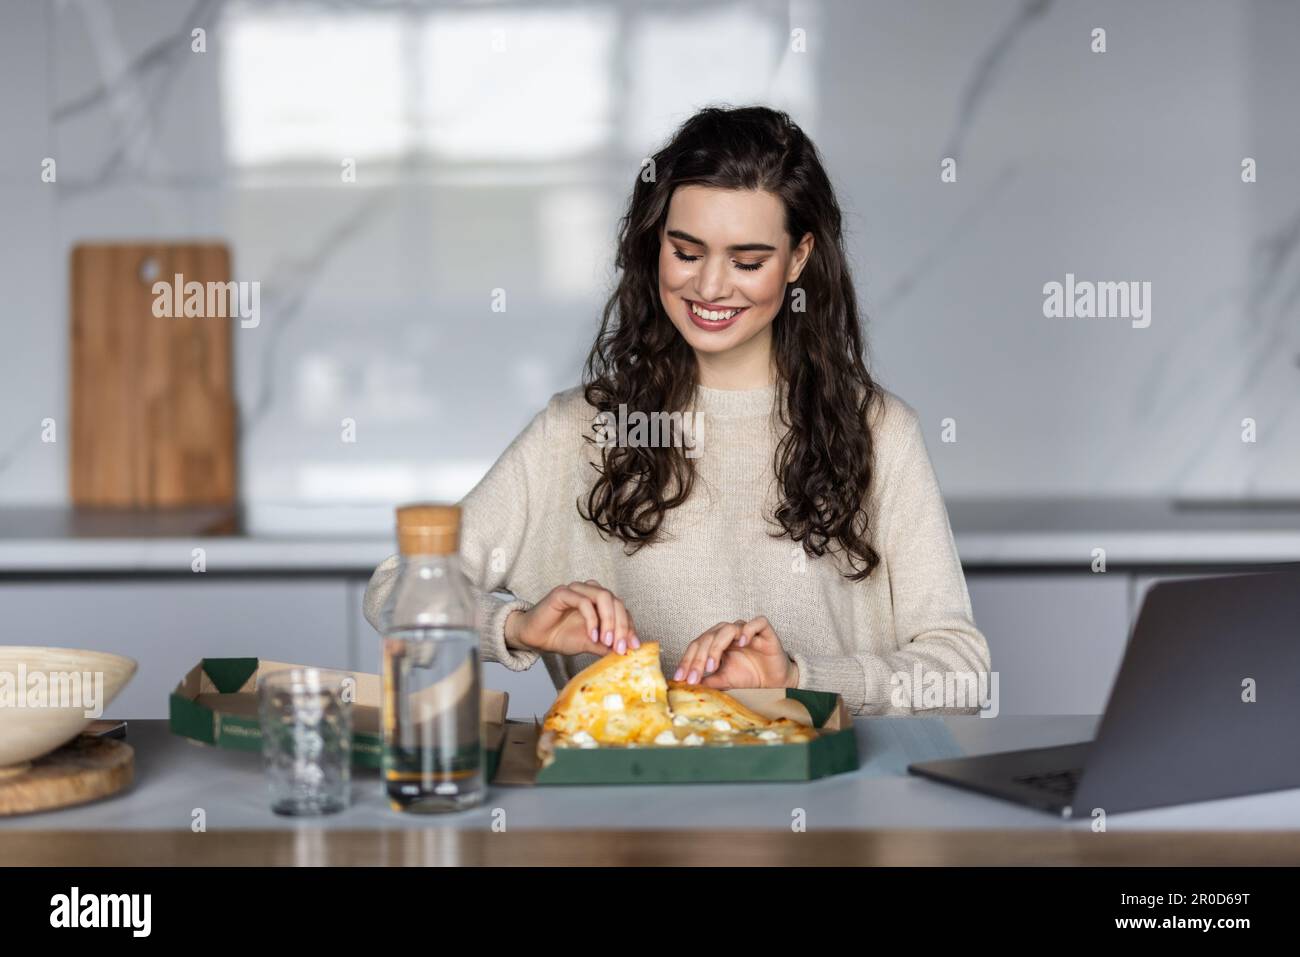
[990, 533]
[174, 776]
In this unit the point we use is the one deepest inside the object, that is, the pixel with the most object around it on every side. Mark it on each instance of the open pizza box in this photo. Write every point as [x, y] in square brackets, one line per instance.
[833, 751]
[216, 703]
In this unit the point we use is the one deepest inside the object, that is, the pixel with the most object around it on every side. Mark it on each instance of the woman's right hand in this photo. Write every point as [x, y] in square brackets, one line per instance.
[573, 618]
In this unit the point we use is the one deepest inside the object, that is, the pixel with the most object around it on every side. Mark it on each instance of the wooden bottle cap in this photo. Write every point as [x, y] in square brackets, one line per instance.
[428, 529]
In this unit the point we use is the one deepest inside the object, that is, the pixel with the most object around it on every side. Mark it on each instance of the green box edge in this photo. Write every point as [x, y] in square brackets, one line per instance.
[829, 754]
[189, 719]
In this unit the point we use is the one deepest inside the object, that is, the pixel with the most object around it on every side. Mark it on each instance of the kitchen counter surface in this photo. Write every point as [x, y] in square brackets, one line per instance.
[877, 814]
[990, 533]
[57, 541]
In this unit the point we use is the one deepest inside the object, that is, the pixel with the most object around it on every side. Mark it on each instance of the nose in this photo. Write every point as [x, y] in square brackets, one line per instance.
[712, 283]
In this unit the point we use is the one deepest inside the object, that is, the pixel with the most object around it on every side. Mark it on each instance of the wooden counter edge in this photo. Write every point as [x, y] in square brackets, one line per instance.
[623, 848]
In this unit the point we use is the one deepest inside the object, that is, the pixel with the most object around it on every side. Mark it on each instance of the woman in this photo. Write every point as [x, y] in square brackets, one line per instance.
[789, 530]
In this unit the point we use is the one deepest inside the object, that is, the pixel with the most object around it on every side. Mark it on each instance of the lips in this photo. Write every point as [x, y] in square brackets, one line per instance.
[709, 325]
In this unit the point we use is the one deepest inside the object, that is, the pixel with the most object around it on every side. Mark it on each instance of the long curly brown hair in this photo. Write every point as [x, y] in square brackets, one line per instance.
[824, 461]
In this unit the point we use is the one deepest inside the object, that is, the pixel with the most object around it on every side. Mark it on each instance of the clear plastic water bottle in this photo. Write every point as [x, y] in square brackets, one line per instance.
[433, 750]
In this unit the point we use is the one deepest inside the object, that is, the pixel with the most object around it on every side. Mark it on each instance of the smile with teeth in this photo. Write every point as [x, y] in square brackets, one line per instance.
[713, 315]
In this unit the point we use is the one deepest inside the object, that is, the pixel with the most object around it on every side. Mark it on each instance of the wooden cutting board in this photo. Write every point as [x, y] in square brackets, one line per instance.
[85, 769]
[153, 411]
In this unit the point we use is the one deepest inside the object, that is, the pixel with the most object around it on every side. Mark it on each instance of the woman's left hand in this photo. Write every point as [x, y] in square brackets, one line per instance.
[738, 654]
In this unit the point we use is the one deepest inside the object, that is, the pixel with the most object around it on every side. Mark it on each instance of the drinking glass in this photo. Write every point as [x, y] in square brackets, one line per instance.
[306, 716]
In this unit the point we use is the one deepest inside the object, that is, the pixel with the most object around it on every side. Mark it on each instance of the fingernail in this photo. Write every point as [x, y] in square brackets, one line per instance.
[636, 642]
[708, 665]
[744, 640]
[677, 676]
[595, 635]
[609, 638]
[622, 646]
[693, 677]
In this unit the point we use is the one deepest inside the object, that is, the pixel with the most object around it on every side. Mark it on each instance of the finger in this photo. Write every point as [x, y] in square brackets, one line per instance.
[628, 632]
[718, 644]
[697, 654]
[633, 641]
[683, 663]
[766, 641]
[604, 607]
[623, 633]
[568, 598]
[751, 628]
[716, 681]
[621, 628]
[687, 665]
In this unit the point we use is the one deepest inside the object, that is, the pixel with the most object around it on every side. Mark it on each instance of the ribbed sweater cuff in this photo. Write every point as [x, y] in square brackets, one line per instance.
[492, 636]
[863, 681]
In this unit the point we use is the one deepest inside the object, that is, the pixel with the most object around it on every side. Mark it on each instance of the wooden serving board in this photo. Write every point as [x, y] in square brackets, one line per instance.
[85, 769]
[153, 413]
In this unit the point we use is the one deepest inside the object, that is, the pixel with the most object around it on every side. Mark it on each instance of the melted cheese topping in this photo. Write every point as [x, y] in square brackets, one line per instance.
[629, 703]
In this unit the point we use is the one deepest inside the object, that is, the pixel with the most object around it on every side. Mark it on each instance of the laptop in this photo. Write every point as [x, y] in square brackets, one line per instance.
[1180, 725]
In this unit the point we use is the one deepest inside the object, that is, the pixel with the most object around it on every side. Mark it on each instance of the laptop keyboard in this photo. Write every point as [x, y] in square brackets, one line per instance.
[1063, 783]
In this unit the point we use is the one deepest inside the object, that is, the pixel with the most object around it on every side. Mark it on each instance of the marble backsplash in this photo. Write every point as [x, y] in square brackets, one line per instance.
[495, 145]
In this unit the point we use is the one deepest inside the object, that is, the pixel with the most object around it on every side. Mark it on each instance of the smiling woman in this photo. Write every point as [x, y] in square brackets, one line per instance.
[692, 273]
[804, 542]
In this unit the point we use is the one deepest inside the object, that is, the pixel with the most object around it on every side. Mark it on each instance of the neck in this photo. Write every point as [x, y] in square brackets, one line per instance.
[748, 366]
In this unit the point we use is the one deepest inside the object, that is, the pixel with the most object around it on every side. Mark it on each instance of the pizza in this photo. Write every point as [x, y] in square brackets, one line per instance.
[720, 718]
[619, 699]
[624, 700]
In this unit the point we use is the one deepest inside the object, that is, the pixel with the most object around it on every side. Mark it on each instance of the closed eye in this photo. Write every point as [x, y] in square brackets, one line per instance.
[747, 267]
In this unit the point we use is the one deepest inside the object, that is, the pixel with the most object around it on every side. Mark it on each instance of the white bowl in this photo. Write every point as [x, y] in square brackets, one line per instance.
[31, 727]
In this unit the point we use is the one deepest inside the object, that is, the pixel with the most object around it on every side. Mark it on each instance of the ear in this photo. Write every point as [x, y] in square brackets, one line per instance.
[802, 252]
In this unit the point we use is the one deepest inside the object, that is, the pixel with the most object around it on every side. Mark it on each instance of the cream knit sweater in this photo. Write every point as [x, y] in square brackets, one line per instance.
[521, 534]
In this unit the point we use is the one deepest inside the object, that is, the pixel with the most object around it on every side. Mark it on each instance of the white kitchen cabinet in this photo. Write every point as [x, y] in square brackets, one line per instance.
[168, 624]
[1056, 639]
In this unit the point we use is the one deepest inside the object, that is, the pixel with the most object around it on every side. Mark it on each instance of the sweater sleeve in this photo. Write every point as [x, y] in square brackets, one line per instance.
[492, 612]
[495, 518]
[934, 628]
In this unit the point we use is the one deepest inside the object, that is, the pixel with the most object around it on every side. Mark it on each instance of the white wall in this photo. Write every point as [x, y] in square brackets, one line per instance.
[482, 170]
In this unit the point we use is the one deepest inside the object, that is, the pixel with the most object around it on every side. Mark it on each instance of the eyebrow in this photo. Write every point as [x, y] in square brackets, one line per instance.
[736, 248]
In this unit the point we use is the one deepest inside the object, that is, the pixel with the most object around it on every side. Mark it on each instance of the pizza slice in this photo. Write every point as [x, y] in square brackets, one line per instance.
[718, 717]
[620, 699]
[711, 705]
